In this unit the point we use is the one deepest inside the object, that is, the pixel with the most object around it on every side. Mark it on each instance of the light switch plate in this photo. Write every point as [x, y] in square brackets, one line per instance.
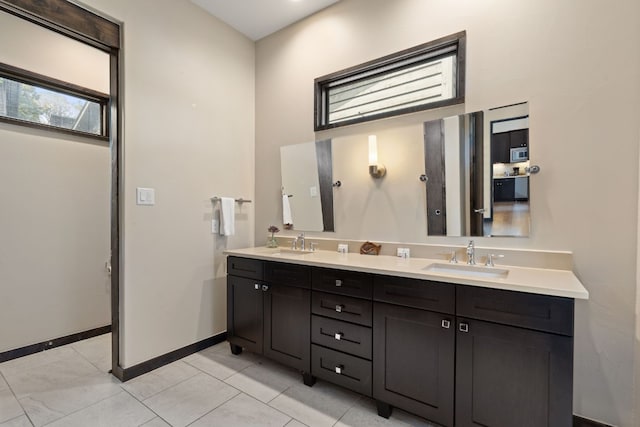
[215, 226]
[313, 191]
[145, 196]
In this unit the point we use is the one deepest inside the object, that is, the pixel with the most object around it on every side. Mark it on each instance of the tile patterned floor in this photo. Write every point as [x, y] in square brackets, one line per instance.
[69, 387]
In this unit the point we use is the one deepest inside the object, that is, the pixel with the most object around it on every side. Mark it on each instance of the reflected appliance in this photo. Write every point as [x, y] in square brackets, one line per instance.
[519, 154]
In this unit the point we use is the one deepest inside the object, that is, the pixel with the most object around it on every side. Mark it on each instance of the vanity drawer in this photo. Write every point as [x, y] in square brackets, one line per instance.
[341, 307]
[343, 282]
[533, 311]
[347, 371]
[245, 267]
[288, 274]
[416, 293]
[342, 336]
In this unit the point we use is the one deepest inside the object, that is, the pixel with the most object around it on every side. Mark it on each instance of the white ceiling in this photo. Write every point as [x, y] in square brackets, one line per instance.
[259, 18]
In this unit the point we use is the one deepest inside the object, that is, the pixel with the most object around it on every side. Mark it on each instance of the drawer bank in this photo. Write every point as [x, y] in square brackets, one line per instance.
[453, 353]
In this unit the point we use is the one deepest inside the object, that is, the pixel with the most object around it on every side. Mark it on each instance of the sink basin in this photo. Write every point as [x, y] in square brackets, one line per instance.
[285, 251]
[468, 270]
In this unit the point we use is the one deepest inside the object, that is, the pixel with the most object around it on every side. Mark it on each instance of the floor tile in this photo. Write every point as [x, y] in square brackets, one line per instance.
[221, 363]
[364, 414]
[264, 380]
[96, 350]
[22, 364]
[156, 422]
[243, 411]
[121, 410]
[51, 376]
[191, 399]
[21, 421]
[49, 392]
[295, 423]
[9, 406]
[320, 405]
[160, 379]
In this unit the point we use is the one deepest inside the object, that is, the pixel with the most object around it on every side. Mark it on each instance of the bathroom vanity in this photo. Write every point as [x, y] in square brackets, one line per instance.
[455, 344]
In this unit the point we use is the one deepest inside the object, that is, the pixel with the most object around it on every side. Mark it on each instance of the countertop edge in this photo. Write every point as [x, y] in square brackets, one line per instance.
[525, 281]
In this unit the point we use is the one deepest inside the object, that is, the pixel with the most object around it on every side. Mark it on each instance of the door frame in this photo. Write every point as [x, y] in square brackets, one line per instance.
[102, 32]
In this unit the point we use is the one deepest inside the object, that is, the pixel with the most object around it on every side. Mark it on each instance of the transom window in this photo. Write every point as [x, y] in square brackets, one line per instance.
[34, 100]
[427, 76]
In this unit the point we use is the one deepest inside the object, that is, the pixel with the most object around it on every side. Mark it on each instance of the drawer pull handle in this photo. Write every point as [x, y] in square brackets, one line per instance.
[265, 288]
[338, 282]
[339, 369]
[464, 327]
[256, 286]
[338, 335]
[446, 324]
[339, 308]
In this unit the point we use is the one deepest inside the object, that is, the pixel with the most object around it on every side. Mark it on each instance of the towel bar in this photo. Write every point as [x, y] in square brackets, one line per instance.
[240, 200]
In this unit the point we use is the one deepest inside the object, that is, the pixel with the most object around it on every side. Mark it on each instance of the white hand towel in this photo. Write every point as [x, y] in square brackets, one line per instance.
[286, 210]
[227, 216]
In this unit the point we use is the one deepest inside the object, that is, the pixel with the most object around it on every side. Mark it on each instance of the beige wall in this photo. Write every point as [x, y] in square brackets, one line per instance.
[577, 64]
[189, 134]
[54, 198]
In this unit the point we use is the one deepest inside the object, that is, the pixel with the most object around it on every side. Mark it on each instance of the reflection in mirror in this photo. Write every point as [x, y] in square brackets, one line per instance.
[306, 172]
[477, 170]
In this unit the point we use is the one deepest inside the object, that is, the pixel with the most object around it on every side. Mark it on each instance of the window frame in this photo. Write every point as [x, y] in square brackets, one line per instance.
[45, 82]
[432, 50]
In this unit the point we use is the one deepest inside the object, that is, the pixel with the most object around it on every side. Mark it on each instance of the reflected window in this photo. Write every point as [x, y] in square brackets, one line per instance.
[424, 77]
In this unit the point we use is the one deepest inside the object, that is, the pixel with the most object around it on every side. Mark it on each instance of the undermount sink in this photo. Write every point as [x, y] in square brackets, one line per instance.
[468, 270]
[286, 251]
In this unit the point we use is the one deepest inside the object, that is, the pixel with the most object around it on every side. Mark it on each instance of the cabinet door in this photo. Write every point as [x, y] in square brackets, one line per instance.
[507, 376]
[287, 326]
[519, 138]
[413, 361]
[501, 148]
[244, 313]
[503, 190]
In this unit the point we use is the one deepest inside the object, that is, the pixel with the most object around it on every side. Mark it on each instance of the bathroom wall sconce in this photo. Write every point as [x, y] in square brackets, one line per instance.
[375, 170]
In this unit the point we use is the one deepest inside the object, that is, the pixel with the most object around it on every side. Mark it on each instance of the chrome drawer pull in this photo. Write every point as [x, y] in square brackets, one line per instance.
[338, 335]
[339, 369]
[446, 324]
[464, 327]
[256, 286]
[265, 288]
[339, 308]
[338, 282]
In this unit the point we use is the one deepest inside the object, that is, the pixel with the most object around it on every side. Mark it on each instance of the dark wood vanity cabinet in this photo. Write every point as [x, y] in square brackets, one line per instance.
[514, 359]
[244, 314]
[341, 333]
[269, 312]
[456, 355]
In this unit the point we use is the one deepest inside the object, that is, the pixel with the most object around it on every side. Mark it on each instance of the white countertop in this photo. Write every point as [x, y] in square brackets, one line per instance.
[561, 283]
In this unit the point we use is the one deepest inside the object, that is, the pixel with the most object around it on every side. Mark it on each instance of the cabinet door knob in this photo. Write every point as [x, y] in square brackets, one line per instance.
[338, 335]
[446, 324]
[338, 282]
[265, 288]
[339, 308]
[256, 286]
[464, 327]
[339, 369]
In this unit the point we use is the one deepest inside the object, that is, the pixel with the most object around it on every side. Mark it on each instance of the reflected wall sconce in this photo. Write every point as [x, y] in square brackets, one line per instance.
[376, 170]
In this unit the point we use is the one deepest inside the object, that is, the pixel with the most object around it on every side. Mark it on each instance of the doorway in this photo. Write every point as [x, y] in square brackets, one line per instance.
[90, 29]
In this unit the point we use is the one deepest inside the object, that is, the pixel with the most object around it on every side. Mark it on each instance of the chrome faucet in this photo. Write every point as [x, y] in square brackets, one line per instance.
[301, 240]
[471, 253]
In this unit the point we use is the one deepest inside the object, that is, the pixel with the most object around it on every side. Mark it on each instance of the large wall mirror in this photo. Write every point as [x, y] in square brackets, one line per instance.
[307, 187]
[477, 173]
